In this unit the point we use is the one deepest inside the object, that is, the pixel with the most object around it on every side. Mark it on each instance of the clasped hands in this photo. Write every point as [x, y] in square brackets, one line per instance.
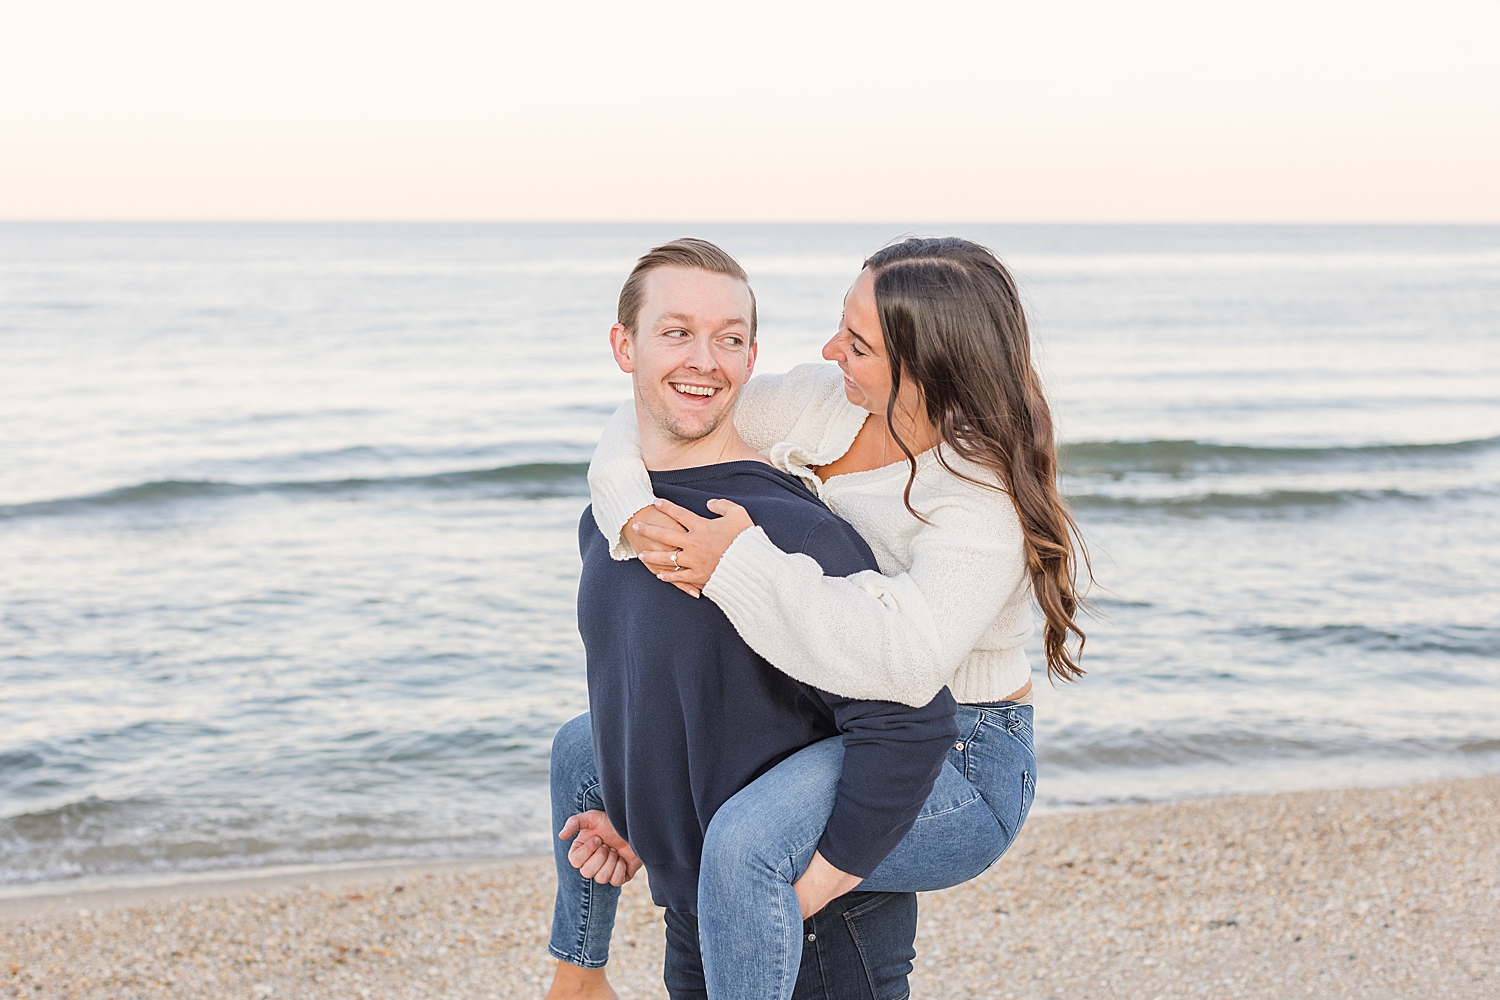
[599, 853]
[679, 546]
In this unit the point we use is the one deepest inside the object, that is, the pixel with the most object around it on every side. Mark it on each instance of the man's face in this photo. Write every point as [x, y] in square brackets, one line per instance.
[691, 351]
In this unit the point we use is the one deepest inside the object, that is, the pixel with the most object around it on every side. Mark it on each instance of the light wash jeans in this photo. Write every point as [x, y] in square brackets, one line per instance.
[583, 916]
[761, 840]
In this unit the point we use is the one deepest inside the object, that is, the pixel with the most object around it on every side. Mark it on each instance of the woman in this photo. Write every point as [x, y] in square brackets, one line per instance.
[934, 440]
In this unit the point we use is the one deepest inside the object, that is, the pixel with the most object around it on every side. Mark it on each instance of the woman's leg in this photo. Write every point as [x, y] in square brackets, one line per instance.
[995, 760]
[583, 916]
[760, 842]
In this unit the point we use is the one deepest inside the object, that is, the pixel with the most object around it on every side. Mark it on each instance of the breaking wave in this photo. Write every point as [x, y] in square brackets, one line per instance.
[1189, 458]
[531, 481]
[1122, 475]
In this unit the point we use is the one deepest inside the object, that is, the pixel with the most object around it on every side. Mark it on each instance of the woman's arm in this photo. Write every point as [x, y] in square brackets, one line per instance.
[765, 414]
[892, 638]
[618, 482]
[769, 405]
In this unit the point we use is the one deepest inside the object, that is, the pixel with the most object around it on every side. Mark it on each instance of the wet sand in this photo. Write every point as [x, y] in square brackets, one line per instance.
[1382, 893]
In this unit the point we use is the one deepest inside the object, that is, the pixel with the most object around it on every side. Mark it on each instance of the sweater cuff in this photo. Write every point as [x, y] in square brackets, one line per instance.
[745, 571]
[857, 840]
[617, 491]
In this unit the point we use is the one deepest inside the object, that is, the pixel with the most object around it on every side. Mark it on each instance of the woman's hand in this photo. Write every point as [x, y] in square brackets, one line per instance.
[657, 519]
[598, 852]
[821, 884]
[699, 544]
[641, 544]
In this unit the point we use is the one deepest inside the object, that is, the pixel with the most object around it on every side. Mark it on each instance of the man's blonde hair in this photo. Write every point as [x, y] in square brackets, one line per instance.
[688, 252]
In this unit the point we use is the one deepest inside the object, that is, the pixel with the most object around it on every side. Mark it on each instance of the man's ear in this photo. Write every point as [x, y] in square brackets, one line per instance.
[623, 347]
[750, 364]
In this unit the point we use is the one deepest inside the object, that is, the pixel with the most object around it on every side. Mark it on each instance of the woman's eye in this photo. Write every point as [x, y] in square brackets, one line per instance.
[854, 348]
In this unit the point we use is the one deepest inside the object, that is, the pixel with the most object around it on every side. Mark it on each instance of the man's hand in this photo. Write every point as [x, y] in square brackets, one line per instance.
[821, 884]
[700, 542]
[598, 852]
[655, 518]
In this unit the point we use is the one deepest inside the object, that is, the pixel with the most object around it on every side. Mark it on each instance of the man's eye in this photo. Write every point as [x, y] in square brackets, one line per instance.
[734, 341]
[675, 333]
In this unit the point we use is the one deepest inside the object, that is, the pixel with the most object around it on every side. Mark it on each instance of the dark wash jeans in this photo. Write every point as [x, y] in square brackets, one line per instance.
[858, 947]
[861, 947]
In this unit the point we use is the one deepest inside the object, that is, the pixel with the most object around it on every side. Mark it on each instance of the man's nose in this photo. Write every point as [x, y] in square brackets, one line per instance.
[701, 357]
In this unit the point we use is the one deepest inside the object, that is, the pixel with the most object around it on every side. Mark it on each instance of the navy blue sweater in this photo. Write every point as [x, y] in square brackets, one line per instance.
[685, 714]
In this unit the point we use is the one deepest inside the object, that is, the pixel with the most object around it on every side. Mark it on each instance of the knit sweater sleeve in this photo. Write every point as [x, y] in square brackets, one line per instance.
[768, 408]
[619, 484]
[892, 638]
[766, 414]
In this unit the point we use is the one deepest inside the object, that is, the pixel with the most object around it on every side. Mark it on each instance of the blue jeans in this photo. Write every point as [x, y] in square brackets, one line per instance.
[860, 945]
[761, 841]
[859, 948]
[583, 916]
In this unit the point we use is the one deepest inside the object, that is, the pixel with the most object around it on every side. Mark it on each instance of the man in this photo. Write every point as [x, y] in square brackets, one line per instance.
[683, 713]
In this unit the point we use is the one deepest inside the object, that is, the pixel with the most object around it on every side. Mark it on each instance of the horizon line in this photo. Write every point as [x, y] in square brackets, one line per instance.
[144, 220]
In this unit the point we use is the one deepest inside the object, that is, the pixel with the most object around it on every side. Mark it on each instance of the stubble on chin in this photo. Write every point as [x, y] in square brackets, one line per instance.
[697, 432]
[686, 433]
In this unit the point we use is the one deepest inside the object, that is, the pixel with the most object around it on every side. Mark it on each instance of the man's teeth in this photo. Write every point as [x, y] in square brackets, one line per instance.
[695, 390]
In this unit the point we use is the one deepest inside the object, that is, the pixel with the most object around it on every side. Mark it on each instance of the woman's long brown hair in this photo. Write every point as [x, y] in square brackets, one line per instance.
[952, 321]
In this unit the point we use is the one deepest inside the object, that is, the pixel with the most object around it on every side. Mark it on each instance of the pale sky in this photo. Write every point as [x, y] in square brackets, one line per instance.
[780, 111]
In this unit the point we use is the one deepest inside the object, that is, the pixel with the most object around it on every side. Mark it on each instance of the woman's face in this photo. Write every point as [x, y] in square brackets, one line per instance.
[859, 349]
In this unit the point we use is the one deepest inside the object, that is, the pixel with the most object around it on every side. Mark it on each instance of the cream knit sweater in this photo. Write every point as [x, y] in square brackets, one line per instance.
[952, 603]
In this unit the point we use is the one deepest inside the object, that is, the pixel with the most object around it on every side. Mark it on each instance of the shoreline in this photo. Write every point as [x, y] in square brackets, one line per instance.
[149, 885]
[103, 891]
[1381, 892]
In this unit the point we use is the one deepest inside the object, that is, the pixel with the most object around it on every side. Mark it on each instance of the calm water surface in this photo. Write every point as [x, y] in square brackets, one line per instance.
[287, 513]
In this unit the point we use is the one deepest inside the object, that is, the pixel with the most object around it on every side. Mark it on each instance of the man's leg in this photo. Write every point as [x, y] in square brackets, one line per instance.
[682, 971]
[859, 947]
[583, 915]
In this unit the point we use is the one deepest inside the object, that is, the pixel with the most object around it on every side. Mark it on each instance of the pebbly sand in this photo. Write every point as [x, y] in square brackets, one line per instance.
[1381, 893]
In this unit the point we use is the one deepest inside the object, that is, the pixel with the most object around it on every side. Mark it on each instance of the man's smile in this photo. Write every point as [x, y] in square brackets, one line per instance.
[687, 389]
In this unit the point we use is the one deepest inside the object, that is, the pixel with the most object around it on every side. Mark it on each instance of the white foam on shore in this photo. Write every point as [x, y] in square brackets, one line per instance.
[90, 893]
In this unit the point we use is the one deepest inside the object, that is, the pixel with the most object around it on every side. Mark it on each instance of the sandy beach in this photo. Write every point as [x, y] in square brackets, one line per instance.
[1382, 893]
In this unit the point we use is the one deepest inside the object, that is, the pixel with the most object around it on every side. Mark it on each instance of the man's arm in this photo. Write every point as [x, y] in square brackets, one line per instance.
[892, 757]
[893, 754]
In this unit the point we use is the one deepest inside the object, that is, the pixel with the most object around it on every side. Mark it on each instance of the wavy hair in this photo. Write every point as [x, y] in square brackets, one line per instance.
[952, 321]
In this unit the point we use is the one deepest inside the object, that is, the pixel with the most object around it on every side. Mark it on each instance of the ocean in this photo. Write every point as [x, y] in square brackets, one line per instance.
[288, 513]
